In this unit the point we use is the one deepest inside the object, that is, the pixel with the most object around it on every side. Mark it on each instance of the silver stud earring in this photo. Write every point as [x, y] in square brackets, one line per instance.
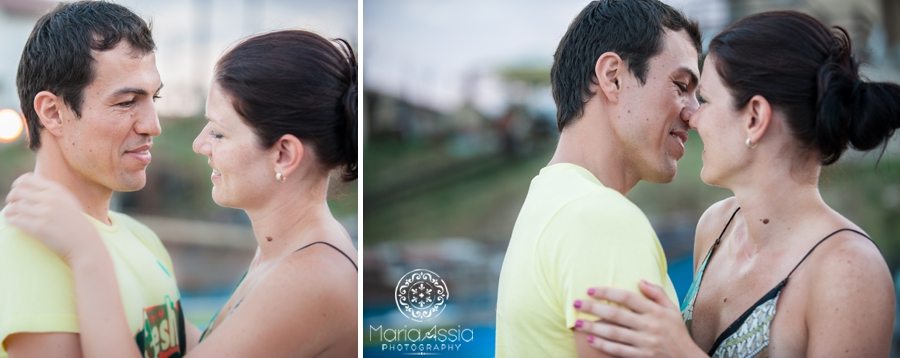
[279, 177]
[749, 143]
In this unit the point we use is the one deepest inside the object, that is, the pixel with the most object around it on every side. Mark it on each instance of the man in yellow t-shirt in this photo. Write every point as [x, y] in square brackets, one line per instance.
[87, 82]
[624, 78]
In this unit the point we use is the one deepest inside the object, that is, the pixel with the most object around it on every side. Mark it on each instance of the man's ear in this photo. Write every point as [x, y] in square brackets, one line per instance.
[759, 116]
[609, 70]
[49, 110]
[289, 153]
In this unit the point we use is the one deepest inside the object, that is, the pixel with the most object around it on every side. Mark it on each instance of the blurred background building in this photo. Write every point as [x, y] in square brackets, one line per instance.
[210, 246]
[459, 118]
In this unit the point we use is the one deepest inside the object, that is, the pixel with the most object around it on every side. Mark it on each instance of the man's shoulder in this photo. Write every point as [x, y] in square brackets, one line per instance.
[18, 249]
[601, 206]
[598, 220]
[11, 237]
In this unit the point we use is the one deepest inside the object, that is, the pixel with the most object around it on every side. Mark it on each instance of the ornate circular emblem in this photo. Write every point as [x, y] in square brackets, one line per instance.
[421, 295]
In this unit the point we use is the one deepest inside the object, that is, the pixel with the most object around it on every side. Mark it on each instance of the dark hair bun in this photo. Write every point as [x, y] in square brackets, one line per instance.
[876, 114]
[863, 114]
[349, 102]
[351, 146]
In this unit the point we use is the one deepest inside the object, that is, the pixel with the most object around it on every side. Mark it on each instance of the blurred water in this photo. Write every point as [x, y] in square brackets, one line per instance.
[200, 308]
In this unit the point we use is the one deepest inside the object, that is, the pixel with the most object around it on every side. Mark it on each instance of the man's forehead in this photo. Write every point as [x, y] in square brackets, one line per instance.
[119, 68]
[678, 57]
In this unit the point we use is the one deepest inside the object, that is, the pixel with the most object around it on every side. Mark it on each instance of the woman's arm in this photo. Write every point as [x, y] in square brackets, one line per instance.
[48, 212]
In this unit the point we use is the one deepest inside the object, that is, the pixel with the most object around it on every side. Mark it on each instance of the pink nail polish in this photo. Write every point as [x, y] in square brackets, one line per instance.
[590, 339]
[592, 291]
[579, 323]
[577, 304]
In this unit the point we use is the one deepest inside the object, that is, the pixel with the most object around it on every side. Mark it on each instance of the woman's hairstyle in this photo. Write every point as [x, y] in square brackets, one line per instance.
[296, 82]
[808, 71]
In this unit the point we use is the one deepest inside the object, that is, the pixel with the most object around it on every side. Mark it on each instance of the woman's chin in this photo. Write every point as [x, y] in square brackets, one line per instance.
[707, 178]
[221, 200]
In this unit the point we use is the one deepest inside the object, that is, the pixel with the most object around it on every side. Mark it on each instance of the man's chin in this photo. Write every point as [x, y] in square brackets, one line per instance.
[131, 183]
[665, 175]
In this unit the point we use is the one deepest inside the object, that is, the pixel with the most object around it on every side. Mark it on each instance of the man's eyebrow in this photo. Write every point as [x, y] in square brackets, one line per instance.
[134, 90]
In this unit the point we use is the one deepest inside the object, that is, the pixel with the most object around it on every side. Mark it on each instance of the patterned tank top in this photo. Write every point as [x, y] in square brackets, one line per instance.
[748, 335]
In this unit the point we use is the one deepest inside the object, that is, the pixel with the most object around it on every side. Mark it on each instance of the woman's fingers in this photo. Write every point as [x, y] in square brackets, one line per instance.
[656, 294]
[611, 332]
[615, 348]
[634, 301]
[613, 314]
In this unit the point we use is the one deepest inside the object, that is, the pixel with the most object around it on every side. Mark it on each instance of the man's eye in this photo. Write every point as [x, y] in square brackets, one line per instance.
[125, 104]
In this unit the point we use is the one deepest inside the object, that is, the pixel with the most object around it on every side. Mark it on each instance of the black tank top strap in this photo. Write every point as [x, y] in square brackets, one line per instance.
[819, 243]
[715, 244]
[333, 247]
[727, 225]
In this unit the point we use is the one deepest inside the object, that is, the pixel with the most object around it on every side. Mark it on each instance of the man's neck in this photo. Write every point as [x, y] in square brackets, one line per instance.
[594, 149]
[94, 198]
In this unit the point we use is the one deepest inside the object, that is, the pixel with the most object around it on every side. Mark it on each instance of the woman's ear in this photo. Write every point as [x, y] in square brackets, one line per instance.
[289, 154]
[759, 117]
[608, 70]
[49, 107]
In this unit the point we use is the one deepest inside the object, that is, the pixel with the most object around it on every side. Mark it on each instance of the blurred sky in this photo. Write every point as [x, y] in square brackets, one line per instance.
[430, 51]
[190, 36]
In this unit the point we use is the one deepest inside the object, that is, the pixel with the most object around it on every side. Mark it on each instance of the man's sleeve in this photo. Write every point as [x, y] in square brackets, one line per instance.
[599, 245]
[36, 289]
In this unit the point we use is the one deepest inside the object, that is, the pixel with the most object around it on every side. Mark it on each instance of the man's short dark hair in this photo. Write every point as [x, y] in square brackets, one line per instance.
[633, 29]
[57, 56]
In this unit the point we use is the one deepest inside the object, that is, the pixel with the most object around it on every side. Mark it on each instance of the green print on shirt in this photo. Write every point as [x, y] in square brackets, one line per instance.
[163, 333]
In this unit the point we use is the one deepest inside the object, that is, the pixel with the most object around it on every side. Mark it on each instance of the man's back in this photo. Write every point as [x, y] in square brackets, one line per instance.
[38, 293]
[571, 234]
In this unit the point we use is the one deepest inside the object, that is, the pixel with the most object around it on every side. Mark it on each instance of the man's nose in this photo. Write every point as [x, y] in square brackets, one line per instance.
[687, 113]
[149, 124]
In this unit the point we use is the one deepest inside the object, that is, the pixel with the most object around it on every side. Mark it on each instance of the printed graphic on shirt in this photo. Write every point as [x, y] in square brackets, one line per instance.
[163, 333]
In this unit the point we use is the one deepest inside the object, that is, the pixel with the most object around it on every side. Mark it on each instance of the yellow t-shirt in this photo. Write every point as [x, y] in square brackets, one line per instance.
[37, 293]
[572, 233]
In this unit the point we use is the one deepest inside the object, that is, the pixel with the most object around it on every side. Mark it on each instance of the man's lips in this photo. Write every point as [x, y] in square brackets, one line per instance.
[680, 134]
[141, 149]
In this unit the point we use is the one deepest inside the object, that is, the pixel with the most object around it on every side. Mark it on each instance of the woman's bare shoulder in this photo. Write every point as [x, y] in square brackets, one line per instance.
[710, 226]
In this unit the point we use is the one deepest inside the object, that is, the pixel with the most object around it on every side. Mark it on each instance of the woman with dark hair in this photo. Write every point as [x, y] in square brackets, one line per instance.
[282, 115]
[777, 271]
